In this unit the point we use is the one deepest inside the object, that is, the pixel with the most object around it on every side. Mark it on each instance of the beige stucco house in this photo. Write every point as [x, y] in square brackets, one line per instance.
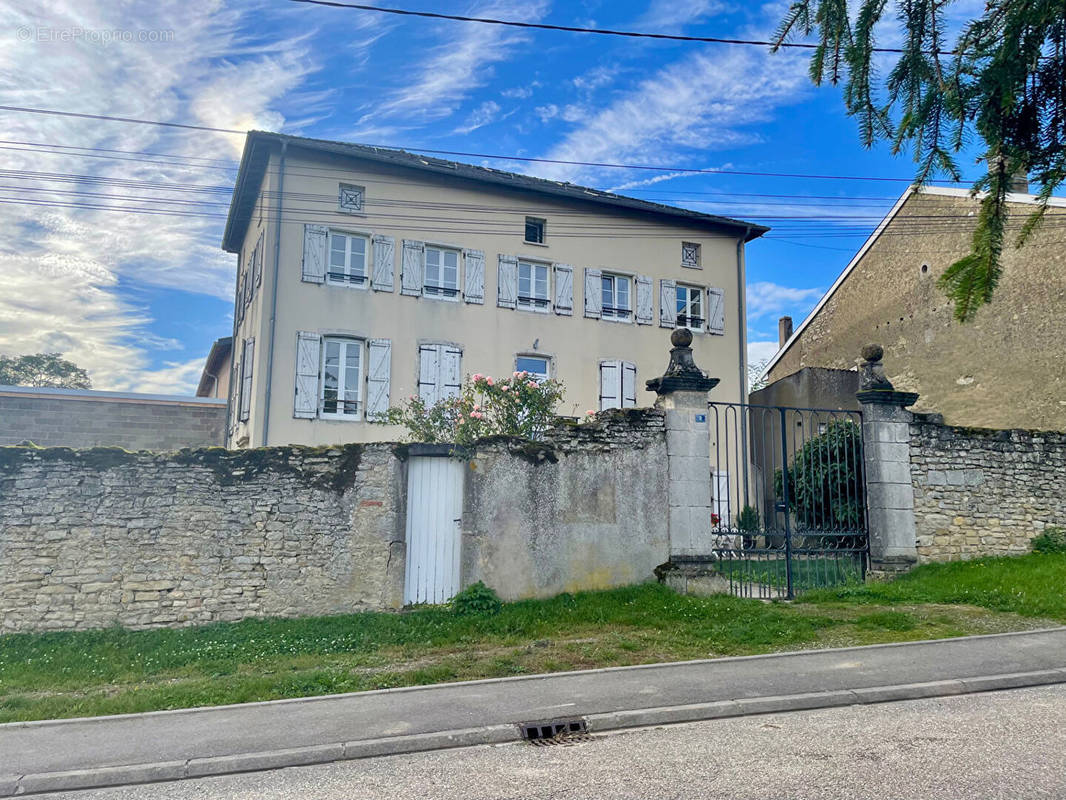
[368, 275]
[1003, 370]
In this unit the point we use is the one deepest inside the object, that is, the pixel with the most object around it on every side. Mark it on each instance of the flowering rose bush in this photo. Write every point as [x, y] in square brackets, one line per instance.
[486, 406]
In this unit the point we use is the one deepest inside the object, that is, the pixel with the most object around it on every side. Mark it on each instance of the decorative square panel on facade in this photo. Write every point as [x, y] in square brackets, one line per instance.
[351, 198]
[690, 255]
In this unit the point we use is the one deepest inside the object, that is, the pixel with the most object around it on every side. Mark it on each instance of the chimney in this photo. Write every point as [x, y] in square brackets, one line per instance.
[1018, 183]
[784, 331]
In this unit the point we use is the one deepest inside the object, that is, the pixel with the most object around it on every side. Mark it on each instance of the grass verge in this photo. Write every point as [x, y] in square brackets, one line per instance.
[117, 671]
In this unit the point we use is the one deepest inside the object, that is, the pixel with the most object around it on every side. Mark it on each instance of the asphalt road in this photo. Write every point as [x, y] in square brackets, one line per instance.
[1009, 744]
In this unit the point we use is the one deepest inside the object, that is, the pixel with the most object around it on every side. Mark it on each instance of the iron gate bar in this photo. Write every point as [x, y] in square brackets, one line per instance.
[799, 519]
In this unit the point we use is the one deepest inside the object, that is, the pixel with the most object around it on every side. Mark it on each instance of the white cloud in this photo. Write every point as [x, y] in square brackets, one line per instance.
[461, 63]
[596, 78]
[671, 16]
[761, 352]
[65, 269]
[764, 297]
[521, 92]
[482, 115]
[702, 102]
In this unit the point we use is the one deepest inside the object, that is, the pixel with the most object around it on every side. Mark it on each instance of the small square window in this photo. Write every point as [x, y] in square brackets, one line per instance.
[690, 255]
[535, 366]
[351, 198]
[535, 230]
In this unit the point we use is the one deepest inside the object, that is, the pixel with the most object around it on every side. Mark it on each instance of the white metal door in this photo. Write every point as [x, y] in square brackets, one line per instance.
[434, 511]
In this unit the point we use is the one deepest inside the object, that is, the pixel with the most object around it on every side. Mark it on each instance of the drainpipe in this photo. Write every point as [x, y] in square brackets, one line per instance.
[742, 335]
[274, 293]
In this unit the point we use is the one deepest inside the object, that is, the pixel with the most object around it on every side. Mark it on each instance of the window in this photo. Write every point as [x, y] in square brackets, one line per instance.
[351, 198]
[618, 384]
[690, 255]
[442, 273]
[689, 307]
[341, 377]
[347, 259]
[616, 304]
[532, 286]
[536, 366]
[535, 230]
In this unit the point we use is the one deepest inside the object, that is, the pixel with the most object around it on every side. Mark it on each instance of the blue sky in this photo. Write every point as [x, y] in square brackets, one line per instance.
[138, 298]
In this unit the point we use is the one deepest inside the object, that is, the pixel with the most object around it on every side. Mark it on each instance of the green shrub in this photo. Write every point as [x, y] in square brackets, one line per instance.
[825, 485]
[1052, 540]
[477, 598]
[748, 519]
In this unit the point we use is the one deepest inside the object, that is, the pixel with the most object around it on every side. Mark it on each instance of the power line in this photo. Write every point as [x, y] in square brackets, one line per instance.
[675, 37]
[496, 156]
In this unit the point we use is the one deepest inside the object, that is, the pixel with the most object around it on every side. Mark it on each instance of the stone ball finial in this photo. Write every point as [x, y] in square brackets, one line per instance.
[682, 337]
[873, 352]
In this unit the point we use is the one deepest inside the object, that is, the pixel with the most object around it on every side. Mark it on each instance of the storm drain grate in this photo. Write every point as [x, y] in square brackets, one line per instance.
[555, 732]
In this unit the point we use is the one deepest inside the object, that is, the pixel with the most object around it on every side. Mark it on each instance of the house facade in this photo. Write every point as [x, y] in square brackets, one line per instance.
[367, 276]
[1003, 370]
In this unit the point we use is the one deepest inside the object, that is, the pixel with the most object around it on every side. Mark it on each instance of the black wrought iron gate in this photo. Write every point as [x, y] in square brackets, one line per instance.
[788, 498]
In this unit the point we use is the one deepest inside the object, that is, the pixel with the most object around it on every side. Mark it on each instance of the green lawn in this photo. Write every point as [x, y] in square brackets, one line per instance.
[115, 671]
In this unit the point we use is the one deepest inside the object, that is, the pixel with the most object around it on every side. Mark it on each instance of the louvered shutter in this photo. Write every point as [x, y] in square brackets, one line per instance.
[384, 258]
[629, 385]
[305, 405]
[564, 289]
[239, 302]
[474, 261]
[378, 373]
[316, 239]
[645, 306]
[667, 304]
[716, 311]
[610, 384]
[429, 373]
[247, 365]
[507, 282]
[413, 265]
[593, 293]
[451, 375]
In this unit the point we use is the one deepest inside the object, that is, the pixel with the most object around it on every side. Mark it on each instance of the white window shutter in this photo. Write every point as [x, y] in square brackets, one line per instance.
[564, 289]
[379, 370]
[593, 293]
[667, 304]
[451, 374]
[412, 268]
[716, 311]
[316, 239]
[645, 307]
[238, 309]
[474, 261]
[384, 259]
[308, 345]
[429, 373]
[507, 282]
[260, 253]
[610, 384]
[247, 365]
[629, 385]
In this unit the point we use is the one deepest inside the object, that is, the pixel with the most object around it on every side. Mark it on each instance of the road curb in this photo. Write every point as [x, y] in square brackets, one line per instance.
[42, 783]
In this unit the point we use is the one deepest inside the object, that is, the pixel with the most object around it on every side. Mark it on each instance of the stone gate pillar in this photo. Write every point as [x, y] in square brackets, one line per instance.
[886, 430]
[682, 394]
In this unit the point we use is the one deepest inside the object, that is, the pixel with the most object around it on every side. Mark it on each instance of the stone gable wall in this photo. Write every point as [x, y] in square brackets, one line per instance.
[979, 491]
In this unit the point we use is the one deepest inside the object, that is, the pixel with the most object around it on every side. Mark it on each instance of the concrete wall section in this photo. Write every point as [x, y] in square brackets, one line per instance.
[984, 492]
[78, 418]
[586, 512]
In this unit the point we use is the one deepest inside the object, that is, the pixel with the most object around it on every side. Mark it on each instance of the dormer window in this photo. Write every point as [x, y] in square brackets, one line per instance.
[535, 230]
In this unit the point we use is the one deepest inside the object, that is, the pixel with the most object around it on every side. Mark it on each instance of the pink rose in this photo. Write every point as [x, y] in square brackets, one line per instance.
[590, 412]
[477, 376]
[504, 388]
[489, 380]
[532, 384]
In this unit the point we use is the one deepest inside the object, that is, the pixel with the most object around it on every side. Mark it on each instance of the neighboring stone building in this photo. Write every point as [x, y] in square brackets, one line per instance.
[369, 275]
[1004, 370]
[84, 418]
[214, 380]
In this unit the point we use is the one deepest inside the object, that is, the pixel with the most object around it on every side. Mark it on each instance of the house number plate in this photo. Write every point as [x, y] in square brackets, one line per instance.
[701, 418]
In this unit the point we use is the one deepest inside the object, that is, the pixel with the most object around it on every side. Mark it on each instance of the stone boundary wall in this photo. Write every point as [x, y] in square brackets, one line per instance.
[83, 418]
[100, 537]
[981, 492]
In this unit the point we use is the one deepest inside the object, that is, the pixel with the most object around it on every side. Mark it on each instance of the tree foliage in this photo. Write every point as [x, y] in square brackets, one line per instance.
[826, 491]
[1001, 76]
[42, 370]
[515, 406]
